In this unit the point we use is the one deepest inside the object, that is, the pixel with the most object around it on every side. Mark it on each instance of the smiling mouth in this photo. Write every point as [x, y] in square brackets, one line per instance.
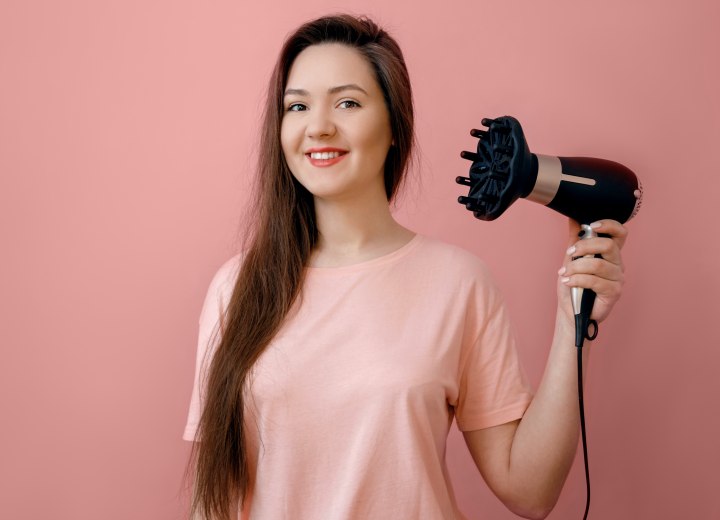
[325, 155]
[322, 159]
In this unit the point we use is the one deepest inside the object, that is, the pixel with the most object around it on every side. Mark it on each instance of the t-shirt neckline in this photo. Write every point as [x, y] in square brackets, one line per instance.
[373, 262]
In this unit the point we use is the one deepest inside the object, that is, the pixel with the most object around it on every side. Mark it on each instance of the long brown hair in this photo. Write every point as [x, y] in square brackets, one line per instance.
[272, 271]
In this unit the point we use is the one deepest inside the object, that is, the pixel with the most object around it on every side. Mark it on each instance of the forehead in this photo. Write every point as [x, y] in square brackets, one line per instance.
[330, 64]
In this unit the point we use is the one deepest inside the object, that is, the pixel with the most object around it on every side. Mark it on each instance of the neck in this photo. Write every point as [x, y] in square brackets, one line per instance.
[355, 229]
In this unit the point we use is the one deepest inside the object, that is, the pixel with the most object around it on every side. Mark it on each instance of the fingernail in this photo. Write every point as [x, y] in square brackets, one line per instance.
[561, 270]
[596, 225]
[564, 280]
[571, 250]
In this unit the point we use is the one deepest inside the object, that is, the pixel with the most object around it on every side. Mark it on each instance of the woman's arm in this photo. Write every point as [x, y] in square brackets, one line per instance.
[526, 462]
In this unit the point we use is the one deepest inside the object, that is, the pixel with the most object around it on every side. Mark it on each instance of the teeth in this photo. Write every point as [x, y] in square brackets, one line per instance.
[324, 155]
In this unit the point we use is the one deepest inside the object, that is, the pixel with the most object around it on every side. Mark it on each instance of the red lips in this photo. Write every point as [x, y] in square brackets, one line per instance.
[331, 160]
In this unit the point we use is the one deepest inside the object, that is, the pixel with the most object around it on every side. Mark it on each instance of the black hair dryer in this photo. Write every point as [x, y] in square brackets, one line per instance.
[583, 188]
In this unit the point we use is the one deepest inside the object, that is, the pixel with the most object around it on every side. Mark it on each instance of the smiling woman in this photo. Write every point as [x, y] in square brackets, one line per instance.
[335, 352]
[336, 128]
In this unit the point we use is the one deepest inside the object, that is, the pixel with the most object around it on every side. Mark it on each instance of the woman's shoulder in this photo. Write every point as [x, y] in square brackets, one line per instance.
[455, 257]
[230, 267]
[455, 271]
[225, 276]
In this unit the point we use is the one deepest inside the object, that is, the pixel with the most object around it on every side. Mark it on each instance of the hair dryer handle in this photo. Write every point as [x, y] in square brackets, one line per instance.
[583, 299]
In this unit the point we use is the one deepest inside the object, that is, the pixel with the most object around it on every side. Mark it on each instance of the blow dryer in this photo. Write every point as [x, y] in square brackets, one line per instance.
[583, 188]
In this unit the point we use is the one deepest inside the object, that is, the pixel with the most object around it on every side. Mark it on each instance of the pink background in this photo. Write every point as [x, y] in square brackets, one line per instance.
[127, 135]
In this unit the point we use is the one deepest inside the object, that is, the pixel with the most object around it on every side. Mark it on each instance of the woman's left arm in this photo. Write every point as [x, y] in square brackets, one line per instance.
[526, 462]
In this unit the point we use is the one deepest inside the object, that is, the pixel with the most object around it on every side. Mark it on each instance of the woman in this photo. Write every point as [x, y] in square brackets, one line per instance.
[335, 352]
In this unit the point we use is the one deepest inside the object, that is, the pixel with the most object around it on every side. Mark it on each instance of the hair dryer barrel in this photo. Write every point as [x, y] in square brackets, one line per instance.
[586, 189]
[583, 188]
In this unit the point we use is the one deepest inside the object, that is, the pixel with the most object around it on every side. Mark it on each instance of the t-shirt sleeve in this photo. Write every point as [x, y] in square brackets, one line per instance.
[216, 300]
[493, 388]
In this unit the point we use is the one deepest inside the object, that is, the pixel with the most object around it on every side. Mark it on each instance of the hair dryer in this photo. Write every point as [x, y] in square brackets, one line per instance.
[583, 188]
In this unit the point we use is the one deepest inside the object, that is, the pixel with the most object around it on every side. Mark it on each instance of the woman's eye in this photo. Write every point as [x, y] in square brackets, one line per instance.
[296, 107]
[349, 103]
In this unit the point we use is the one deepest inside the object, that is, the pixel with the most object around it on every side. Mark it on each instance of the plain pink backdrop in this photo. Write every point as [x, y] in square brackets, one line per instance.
[127, 137]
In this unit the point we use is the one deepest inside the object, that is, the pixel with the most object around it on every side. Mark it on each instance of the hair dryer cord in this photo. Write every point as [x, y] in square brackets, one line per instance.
[582, 427]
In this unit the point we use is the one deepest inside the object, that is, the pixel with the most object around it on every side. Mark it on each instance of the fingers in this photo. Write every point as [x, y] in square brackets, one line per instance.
[617, 231]
[609, 248]
[603, 277]
[608, 290]
[606, 247]
[605, 274]
[588, 272]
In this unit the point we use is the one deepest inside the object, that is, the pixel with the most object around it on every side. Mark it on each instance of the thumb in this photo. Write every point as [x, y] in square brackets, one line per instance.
[573, 230]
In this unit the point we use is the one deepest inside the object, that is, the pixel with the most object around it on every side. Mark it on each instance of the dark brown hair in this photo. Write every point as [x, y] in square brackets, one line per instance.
[272, 271]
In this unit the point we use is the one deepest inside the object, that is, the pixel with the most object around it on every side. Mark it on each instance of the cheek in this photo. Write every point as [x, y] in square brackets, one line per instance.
[372, 133]
[290, 144]
[381, 128]
[284, 140]
[376, 138]
[288, 138]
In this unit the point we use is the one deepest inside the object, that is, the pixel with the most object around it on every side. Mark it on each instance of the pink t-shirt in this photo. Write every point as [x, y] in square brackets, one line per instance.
[352, 402]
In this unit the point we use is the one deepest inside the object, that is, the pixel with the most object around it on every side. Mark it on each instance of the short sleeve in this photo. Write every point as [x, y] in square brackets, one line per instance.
[493, 388]
[216, 300]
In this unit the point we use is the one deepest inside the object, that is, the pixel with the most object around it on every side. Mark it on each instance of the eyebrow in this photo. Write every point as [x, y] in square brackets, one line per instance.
[332, 90]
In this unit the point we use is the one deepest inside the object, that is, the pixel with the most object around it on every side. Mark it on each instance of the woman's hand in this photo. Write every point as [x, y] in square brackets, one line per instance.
[603, 275]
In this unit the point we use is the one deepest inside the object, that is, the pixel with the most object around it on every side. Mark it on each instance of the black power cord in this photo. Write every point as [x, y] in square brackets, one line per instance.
[582, 430]
[579, 340]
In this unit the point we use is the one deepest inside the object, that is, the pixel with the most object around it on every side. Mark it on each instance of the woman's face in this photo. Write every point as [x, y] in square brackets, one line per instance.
[335, 128]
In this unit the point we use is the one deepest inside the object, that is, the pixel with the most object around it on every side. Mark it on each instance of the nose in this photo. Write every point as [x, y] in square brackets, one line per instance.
[320, 123]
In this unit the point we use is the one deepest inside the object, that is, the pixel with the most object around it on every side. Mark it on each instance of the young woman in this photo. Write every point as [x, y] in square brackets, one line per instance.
[336, 350]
